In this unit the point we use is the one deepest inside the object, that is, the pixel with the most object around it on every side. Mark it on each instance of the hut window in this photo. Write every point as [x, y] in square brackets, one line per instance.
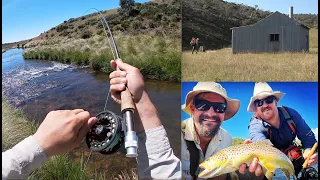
[274, 37]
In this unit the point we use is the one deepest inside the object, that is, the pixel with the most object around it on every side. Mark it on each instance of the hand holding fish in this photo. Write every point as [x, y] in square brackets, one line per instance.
[254, 166]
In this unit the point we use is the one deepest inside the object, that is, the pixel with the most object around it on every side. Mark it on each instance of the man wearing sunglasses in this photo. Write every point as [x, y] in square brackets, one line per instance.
[281, 125]
[202, 135]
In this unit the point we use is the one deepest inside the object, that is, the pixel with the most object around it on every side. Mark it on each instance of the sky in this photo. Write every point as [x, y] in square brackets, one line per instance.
[25, 19]
[299, 6]
[301, 96]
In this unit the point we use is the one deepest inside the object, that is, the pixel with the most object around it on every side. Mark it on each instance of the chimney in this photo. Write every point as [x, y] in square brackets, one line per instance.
[291, 12]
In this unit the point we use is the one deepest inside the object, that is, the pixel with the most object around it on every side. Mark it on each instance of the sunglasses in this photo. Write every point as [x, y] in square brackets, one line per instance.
[203, 105]
[268, 100]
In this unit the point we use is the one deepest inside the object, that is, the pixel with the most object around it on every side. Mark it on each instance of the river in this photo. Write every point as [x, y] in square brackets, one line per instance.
[40, 86]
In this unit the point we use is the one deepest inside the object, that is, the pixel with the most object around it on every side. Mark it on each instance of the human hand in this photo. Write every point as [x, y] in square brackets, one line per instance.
[313, 158]
[126, 75]
[63, 130]
[254, 166]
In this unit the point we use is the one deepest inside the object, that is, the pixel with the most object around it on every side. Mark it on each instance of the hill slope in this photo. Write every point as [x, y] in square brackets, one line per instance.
[211, 20]
[155, 17]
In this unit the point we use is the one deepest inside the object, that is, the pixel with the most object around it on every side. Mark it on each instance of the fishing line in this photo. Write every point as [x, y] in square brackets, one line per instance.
[113, 54]
[85, 165]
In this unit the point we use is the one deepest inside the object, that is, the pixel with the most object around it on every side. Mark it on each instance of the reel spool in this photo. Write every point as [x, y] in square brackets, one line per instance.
[107, 134]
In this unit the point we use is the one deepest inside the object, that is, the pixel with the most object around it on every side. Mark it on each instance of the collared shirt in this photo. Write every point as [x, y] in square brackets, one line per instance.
[220, 141]
[283, 136]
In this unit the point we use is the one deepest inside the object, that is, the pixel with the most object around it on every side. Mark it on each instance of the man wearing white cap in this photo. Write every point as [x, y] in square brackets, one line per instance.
[280, 124]
[202, 135]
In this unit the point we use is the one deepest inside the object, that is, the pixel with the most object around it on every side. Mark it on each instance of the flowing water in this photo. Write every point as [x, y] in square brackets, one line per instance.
[39, 86]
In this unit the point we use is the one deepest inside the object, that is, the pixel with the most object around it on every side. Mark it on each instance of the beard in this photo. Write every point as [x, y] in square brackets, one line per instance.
[205, 130]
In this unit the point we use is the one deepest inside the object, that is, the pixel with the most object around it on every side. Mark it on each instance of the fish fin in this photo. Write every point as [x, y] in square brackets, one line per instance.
[269, 168]
[287, 173]
[269, 174]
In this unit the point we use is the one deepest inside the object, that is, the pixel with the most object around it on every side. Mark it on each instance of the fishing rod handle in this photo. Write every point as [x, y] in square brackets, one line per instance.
[309, 155]
[126, 101]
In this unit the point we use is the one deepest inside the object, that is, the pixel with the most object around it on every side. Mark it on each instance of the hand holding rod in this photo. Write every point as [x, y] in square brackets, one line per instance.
[127, 110]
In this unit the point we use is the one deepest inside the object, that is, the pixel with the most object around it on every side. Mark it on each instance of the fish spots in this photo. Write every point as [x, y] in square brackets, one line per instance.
[269, 157]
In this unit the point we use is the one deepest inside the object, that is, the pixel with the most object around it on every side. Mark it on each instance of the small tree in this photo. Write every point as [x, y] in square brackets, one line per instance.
[126, 4]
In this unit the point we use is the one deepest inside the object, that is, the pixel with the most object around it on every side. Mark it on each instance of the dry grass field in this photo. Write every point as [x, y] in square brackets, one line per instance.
[222, 65]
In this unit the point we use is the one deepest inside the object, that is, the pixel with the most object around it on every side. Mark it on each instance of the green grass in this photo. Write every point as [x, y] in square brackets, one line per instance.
[158, 57]
[16, 127]
[222, 65]
[61, 167]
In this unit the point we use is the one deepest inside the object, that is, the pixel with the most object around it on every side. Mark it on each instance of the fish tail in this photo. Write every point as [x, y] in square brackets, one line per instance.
[287, 173]
[269, 175]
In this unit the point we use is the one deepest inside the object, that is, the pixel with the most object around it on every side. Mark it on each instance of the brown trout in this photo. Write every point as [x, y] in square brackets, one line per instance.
[229, 159]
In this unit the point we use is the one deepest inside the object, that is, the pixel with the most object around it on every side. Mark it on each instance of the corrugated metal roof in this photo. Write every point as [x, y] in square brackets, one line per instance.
[297, 23]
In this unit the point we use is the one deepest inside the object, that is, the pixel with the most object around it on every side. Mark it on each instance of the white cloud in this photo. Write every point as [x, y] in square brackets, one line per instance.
[315, 131]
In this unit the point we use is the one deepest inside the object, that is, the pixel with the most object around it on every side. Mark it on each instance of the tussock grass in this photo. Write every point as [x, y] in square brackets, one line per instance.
[15, 127]
[61, 167]
[158, 57]
[222, 65]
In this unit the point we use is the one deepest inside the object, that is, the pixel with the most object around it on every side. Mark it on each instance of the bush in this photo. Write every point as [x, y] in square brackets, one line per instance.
[86, 34]
[136, 24]
[81, 26]
[61, 28]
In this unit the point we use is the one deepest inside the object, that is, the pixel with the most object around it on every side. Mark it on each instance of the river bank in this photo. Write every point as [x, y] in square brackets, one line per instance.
[157, 57]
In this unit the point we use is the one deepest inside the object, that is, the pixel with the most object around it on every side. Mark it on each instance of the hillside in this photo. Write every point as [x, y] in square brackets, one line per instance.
[155, 17]
[211, 20]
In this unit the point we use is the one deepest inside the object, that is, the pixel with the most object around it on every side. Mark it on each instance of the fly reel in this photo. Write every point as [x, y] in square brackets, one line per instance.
[107, 134]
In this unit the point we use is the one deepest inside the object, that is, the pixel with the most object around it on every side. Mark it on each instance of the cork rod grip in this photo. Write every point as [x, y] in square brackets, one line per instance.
[309, 155]
[126, 101]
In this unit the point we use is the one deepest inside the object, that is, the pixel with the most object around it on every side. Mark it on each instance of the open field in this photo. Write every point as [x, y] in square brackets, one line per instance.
[222, 65]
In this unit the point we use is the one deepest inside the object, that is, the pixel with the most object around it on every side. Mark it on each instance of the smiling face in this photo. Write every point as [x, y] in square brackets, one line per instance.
[267, 111]
[207, 122]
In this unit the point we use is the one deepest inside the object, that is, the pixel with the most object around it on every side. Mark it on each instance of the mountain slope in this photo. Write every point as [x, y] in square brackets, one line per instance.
[155, 17]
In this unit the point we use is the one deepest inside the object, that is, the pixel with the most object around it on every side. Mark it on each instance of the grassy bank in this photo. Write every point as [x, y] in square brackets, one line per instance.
[222, 65]
[16, 127]
[158, 57]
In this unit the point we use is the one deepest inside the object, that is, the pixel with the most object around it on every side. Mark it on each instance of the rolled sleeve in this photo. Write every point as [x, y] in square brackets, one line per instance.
[22, 159]
[256, 131]
[155, 156]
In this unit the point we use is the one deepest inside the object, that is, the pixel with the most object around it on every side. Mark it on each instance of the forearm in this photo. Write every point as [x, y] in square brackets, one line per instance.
[155, 156]
[146, 116]
[22, 159]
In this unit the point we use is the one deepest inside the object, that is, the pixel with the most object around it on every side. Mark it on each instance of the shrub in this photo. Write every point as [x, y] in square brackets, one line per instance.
[81, 26]
[86, 34]
[61, 27]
